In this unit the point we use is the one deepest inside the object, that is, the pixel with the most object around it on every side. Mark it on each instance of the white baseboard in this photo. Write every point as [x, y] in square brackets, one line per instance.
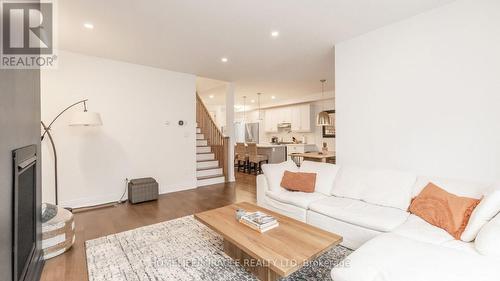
[111, 198]
[91, 201]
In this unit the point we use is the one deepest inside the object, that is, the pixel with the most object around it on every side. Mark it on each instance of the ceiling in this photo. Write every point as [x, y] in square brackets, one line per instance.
[192, 36]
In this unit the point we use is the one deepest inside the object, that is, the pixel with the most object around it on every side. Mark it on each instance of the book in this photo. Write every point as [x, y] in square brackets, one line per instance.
[260, 229]
[259, 221]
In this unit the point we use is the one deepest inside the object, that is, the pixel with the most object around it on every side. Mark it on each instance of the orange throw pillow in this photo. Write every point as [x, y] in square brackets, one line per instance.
[304, 182]
[443, 209]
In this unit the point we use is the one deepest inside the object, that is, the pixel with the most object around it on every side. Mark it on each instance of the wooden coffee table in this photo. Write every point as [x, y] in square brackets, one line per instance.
[276, 253]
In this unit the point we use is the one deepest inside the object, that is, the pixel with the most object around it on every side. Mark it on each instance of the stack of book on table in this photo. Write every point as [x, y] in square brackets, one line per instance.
[259, 221]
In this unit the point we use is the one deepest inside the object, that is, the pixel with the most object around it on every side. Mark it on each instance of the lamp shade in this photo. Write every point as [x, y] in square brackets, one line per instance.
[323, 119]
[85, 118]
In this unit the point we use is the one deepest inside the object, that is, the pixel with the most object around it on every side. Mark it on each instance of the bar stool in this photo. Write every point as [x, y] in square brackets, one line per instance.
[255, 158]
[241, 156]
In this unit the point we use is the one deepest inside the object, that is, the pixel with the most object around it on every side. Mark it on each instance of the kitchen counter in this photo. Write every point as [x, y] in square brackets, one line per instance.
[270, 145]
[277, 153]
[284, 144]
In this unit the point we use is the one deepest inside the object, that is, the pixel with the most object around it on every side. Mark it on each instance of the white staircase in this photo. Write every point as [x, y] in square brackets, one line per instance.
[208, 170]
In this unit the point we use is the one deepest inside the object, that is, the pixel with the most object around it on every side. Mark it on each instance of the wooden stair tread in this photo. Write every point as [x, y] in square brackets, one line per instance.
[206, 160]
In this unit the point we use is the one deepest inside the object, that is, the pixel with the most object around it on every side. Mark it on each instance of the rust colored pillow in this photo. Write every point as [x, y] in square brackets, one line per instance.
[304, 182]
[443, 209]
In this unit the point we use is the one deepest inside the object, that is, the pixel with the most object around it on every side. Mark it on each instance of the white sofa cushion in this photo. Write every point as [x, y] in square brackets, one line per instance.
[274, 173]
[388, 188]
[350, 182]
[353, 236]
[460, 245]
[417, 229]
[325, 175]
[285, 209]
[299, 199]
[360, 213]
[488, 238]
[393, 257]
[483, 213]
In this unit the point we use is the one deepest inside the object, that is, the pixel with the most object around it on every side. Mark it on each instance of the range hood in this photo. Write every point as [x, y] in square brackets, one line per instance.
[284, 125]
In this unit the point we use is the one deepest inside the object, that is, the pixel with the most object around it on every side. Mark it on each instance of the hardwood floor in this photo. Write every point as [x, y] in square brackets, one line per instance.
[72, 266]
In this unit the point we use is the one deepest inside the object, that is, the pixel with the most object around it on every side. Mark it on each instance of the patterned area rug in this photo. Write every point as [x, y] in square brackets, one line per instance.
[181, 249]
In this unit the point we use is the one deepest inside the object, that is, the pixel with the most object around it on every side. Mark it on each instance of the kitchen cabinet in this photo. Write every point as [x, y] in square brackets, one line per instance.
[275, 153]
[284, 115]
[271, 121]
[299, 116]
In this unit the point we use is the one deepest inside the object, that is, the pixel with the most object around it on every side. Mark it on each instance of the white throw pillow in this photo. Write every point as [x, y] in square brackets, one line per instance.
[274, 173]
[325, 175]
[487, 240]
[482, 214]
[389, 188]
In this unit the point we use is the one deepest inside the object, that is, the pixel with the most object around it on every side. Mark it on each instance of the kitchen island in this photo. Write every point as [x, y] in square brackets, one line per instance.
[276, 153]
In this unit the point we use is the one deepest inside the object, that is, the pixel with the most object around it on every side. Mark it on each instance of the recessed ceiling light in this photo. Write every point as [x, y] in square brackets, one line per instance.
[224, 59]
[88, 25]
[273, 97]
[275, 33]
[252, 101]
[211, 96]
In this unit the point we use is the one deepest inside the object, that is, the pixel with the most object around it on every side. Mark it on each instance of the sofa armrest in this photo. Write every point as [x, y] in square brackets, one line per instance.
[262, 188]
[487, 241]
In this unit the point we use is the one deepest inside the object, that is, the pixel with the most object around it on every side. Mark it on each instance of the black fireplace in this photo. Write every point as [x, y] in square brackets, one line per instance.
[26, 258]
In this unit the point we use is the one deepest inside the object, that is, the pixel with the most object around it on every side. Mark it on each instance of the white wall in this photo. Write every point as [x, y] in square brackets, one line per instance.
[424, 94]
[135, 102]
[218, 113]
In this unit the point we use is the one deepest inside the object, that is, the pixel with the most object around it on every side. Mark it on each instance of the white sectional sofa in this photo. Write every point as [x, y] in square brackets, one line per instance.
[369, 209]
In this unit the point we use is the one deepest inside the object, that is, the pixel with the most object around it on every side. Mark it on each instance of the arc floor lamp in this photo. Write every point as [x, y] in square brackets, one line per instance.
[82, 118]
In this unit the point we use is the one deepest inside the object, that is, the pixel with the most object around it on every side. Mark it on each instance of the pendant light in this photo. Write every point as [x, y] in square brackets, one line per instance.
[323, 118]
[244, 109]
[258, 102]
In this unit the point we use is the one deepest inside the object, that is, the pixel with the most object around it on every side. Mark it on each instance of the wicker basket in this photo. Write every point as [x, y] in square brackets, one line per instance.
[58, 234]
[142, 190]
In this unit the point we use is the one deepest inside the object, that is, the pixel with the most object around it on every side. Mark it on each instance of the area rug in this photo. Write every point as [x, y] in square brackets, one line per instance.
[182, 249]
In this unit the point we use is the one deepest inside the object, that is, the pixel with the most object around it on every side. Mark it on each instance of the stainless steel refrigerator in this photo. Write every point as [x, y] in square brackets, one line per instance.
[252, 132]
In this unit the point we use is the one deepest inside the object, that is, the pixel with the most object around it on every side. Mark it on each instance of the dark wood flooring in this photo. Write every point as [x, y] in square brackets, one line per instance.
[72, 266]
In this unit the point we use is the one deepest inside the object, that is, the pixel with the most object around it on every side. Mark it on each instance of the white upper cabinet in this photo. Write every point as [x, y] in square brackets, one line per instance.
[271, 121]
[296, 122]
[299, 116]
[285, 115]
